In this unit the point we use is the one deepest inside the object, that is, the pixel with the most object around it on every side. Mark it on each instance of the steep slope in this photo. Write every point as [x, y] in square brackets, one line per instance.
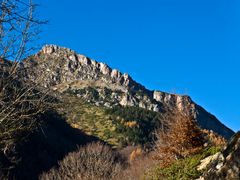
[64, 70]
[118, 126]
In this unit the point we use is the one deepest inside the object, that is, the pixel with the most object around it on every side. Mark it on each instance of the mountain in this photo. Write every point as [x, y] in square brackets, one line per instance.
[63, 70]
[57, 102]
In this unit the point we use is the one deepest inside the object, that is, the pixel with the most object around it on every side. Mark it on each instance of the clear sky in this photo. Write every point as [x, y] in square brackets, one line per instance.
[181, 46]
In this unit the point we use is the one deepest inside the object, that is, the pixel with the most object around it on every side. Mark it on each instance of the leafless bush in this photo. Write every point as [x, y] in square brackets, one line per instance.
[93, 162]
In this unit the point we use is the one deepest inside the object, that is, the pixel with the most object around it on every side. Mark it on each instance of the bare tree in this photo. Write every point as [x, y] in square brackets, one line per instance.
[20, 104]
[18, 28]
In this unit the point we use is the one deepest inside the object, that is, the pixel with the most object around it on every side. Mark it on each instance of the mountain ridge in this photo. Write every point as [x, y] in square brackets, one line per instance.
[64, 70]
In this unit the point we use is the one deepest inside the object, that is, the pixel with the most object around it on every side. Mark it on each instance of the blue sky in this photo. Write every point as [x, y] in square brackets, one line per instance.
[180, 46]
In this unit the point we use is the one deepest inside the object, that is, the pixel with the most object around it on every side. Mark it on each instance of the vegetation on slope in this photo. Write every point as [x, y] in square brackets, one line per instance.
[184, 169]
[178, 152]
[118, 126]
[47, 144]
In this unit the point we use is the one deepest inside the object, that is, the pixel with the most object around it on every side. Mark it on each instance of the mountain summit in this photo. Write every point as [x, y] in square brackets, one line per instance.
[62, 69]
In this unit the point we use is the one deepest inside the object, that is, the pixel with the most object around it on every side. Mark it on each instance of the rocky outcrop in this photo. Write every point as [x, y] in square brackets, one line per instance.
[59, 65]
[185, 105]
[226, 164]
[64, 70]
[207, 161]
[182, 103]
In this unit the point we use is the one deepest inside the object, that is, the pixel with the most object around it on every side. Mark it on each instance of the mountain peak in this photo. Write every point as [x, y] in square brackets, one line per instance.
[51, 48]
[65, 66]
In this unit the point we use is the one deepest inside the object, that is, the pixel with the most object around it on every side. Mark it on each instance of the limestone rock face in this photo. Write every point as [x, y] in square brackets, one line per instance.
[127, 101]
[104, 68]
[58, 65]
[207, 161]
[50, 49]
[64, 70]
[183, 103]
[227, 163]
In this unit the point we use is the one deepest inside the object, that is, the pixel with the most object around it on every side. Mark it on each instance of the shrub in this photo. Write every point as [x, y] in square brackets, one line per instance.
[182, 169]
[92, 162]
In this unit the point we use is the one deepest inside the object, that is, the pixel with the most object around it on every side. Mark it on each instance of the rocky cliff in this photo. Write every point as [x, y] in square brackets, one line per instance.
[63, 70]
[226, 165]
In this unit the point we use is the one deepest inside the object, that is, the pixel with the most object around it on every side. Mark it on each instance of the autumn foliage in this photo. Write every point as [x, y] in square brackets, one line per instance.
[181, 138]
[214, 139]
